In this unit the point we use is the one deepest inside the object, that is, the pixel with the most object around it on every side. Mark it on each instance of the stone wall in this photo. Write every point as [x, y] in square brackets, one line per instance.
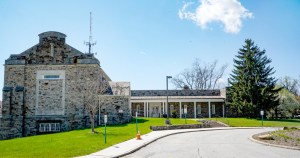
[173, 127]
[204, 109]
[44, 104]
[50, 97]
[117, 109]
[218, 110]
[47, 84]
[134, 109]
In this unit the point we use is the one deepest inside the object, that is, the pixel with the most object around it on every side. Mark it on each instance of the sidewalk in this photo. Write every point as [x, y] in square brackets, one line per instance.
[132, 145]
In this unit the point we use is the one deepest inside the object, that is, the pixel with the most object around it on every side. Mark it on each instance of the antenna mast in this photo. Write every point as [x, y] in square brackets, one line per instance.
[90, 43]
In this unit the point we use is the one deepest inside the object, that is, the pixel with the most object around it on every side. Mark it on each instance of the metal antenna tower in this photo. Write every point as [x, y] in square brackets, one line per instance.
[90, 43]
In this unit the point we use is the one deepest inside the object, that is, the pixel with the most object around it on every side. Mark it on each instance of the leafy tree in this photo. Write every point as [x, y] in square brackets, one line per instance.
[252, 87]
[288, 104]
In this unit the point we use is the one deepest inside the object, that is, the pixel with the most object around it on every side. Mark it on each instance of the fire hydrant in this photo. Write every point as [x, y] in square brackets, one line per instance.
[138, 136]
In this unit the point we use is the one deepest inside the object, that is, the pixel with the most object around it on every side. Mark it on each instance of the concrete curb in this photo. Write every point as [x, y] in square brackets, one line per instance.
[274, 145]
[225, 125]
[180, 132]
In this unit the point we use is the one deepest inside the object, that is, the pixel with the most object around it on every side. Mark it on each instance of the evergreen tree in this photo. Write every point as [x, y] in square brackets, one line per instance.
[252, 87]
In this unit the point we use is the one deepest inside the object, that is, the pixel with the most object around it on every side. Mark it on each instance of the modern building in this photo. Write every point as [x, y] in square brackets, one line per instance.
[46, 90]
[196, 103]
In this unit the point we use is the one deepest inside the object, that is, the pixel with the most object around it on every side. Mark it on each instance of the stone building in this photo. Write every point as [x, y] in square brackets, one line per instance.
[196, 103]
[44, 90]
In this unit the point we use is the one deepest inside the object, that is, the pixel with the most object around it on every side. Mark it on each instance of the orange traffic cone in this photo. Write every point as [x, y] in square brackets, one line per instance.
[138, 136]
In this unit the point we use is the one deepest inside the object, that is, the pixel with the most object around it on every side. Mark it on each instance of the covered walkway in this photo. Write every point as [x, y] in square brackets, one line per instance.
[197, 104]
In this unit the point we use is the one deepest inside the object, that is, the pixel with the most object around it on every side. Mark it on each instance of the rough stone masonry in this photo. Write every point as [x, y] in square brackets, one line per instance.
[44, 90]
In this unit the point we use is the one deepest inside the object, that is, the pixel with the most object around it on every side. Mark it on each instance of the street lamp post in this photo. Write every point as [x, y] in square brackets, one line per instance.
[105, 121]
[168, 111]
[262, 117]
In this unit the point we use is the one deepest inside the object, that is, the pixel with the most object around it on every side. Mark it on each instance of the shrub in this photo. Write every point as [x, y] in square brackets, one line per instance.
[174, 114]
[164, 115]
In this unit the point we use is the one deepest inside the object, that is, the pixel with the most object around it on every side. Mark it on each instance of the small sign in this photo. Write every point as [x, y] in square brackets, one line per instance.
[120, 111]
[136, 113]
[185, 111]
[105, 119]
[261, 112]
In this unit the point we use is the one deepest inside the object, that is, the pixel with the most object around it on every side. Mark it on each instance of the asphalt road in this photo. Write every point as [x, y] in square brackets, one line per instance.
[213, 144]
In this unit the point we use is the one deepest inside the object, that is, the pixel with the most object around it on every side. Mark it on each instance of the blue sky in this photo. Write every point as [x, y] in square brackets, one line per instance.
[143, 41]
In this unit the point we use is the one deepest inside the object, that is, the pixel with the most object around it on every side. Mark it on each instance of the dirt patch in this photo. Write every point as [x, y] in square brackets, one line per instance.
[288, 137]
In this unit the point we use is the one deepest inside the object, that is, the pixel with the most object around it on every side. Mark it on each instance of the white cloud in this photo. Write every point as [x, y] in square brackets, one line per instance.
[228, 12]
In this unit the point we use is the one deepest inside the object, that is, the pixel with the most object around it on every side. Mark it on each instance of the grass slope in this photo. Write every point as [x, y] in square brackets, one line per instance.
[78, 142]
[244, 122]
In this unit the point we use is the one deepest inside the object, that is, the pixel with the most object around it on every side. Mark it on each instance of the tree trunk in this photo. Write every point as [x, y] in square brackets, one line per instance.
[92, 122]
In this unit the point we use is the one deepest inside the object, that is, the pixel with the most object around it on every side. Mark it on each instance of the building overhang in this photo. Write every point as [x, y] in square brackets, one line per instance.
[178, 99]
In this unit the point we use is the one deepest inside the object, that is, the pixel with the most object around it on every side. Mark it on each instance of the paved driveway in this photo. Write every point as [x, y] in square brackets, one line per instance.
[213, 144]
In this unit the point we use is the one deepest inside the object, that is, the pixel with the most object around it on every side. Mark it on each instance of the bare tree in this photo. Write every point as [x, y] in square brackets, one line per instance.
[290, 84]
[201, 76]
[103, 89]
[120, 88]
[92, 99]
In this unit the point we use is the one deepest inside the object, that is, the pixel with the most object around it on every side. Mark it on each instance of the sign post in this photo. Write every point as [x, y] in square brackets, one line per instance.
[185, 112]
[136, 122]
[262, 117]
[105, 121]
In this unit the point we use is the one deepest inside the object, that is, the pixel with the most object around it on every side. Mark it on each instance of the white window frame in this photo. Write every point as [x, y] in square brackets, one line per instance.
[49, 127]
[185, 107]
[213, 109]
[199, 109]
[171, 108]
[138, 107]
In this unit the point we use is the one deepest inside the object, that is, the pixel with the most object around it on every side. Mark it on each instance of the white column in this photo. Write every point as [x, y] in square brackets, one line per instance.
[167, 108]
[163, 107]
[160, 114]
[223, 110]
[145, 110]
[180, 109]
[195, 110]
[209, 111]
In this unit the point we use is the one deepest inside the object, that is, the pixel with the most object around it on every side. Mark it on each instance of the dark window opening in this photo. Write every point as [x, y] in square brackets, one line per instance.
[51, 77]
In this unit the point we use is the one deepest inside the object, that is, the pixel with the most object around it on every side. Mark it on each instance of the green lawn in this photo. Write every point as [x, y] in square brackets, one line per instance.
[78, 142]
[244, 122]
